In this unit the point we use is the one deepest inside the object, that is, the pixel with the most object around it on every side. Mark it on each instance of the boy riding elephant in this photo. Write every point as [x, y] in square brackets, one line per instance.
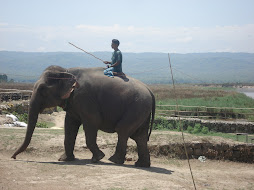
[115, 66]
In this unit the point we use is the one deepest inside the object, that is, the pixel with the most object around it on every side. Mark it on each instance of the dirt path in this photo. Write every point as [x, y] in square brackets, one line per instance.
[44, 172]
[58, 119]
[38, 168]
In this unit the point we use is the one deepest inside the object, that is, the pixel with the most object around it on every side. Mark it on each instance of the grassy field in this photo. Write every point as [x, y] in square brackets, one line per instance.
[220, 101]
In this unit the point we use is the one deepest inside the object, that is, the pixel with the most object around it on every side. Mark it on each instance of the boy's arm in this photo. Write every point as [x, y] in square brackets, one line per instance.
[115, 64]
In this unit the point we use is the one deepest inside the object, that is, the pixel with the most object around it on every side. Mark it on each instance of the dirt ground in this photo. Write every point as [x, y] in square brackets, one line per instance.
[38, 168]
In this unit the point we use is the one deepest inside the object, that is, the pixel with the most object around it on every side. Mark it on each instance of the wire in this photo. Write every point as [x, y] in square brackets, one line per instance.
[189, 75]
[148, 71]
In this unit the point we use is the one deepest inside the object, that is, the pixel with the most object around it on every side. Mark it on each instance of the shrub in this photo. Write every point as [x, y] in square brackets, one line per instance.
[178, 127]
[197, 128]
[190, 129]
[59, 108]
[162, 123]
[22, 117]
[158, 126]
[205, 130]
[41, 125]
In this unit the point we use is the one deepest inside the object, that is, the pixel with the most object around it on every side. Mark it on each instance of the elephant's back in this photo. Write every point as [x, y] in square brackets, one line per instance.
[95, 78]
[96, 75]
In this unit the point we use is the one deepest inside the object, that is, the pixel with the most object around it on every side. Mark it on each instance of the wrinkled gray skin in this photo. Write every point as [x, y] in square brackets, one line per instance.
[99, 103]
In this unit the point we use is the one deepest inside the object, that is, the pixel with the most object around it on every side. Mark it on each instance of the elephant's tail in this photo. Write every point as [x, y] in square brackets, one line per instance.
[152, 114]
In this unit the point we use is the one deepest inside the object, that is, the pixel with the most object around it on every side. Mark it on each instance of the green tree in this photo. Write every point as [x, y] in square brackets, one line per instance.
[3, 78]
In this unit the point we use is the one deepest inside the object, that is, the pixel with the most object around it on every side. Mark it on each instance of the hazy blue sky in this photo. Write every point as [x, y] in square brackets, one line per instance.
[181, 26]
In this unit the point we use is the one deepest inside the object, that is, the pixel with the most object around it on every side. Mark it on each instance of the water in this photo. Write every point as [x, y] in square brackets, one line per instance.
[247, 91]
[250, 94]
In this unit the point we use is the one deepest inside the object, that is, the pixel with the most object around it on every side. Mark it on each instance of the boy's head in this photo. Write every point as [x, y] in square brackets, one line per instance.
[115, 43]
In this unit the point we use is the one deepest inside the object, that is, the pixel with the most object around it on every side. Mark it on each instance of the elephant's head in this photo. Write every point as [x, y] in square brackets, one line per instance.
[54, 85]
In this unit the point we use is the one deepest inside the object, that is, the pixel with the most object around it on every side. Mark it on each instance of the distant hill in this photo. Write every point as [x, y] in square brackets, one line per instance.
[148, 67]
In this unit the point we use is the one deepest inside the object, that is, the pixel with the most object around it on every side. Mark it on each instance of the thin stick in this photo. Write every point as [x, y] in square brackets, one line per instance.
[177, 108]
[86, 52]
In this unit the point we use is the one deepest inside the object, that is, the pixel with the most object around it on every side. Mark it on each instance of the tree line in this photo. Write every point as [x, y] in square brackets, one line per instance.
[4, 78]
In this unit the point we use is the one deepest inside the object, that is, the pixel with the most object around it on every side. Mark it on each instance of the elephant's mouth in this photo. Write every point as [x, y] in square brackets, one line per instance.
[67, 95]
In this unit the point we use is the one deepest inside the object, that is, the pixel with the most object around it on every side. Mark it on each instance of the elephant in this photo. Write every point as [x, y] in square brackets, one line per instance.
[99, 102]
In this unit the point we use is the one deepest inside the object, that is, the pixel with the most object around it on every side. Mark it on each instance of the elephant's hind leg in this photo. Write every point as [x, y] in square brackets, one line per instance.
[141, 137]
[125, 128]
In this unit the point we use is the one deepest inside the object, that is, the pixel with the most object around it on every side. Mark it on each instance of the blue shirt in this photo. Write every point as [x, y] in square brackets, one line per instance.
[117, 57]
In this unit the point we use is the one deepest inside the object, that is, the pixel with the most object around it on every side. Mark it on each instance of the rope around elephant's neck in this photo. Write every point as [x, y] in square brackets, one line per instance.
[60, 78]
[64, 78]
[177, 108]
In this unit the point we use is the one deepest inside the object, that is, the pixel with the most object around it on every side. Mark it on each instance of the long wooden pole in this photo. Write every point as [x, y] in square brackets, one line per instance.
[86, 52]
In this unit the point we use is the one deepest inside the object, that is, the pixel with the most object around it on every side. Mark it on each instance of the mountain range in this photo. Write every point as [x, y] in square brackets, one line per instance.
[152, 68]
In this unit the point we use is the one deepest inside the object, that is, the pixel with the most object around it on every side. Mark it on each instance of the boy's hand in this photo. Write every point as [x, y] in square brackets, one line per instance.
[106, 62]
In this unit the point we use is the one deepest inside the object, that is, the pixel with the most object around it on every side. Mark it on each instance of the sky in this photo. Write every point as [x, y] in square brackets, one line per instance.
[169, 26]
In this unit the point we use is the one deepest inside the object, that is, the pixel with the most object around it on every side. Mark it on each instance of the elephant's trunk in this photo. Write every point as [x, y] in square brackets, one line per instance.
[32, 119]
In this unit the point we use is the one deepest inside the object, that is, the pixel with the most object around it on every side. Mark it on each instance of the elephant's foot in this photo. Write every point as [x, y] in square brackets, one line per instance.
[144, 164]
[117, 159]
[98, 157]
[66, 158]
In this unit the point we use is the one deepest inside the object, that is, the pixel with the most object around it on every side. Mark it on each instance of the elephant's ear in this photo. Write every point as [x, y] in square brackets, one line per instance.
[64, 82]
[43, 90]
[70, 90]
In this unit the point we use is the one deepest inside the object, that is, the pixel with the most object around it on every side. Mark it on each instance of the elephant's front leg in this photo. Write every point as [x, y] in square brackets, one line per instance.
[71, 128]
[91, 135]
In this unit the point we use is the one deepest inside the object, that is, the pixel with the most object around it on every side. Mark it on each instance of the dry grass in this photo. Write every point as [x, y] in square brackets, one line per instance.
[20, 86]
[163, 92]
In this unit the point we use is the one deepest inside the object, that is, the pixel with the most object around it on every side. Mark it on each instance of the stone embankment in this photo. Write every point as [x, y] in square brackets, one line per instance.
[21, 107]
[14, 94]
[240, 152]
[237, 152]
